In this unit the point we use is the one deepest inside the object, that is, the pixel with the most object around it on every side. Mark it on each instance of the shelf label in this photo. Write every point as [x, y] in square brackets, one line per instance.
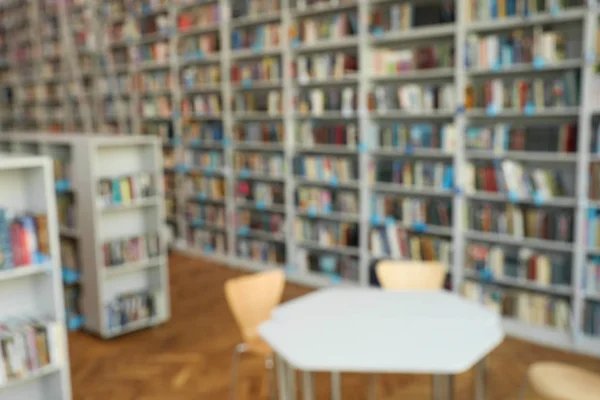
[176, 141]
[513, 196]
[70, 276]
[182, 168]
[208, 249]
[529, 108]
[335, 279]
[334, 181]
[410, 150]
[312, 212]
[199, 55]
[260, 205]
[376, 219]
[496, 67]
[554, 11]
[295, 43]
[491, 109]
[362, 147]
[486, 275]
[378, 32]
[419, 227]
[390, 221]
[62, 185]
[247, 83]
[538, 198]
[176, 114]
[243, 231]
[245, 173]
[538, 62]
[327, 208]
[327, 264]
[227, 141]
[460, 110]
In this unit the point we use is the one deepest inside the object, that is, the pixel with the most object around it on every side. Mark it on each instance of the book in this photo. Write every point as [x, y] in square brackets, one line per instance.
[123, 190]
[261, 251]
[131, 307]
[327, 233]
[130, 250]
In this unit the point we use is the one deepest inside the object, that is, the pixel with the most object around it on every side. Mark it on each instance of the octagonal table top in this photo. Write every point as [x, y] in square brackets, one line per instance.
[372, 330]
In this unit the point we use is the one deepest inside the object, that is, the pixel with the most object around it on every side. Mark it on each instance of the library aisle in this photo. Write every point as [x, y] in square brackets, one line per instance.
[190, 357]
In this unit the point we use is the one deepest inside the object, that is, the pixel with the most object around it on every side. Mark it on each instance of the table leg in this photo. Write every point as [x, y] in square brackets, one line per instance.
[308, 389]
[281, 377]
[291, 382]
[480, 379]
[336, 386]
[443, 387]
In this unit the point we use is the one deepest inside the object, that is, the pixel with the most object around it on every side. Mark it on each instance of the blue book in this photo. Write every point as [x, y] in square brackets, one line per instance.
[494, 9]
[116, 191]
[592, 221]
[5, 248]
[448, 182]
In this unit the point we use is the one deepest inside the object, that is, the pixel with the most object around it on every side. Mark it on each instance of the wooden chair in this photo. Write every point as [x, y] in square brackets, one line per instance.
[251, 299]
[556, 381]
[410, 275]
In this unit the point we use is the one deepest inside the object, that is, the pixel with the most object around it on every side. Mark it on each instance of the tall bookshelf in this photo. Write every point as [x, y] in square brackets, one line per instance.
[117, 234]
[33, 292]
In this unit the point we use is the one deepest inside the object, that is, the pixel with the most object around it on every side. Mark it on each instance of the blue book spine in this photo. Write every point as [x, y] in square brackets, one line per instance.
[592, 220]
[448, 178]
[116, 190]
[494, 9]
[5, 249]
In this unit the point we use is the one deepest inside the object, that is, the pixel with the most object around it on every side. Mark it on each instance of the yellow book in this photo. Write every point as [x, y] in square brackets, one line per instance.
[125, 191]
[501, 8]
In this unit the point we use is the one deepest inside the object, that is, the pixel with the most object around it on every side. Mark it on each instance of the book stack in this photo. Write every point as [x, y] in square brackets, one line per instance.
[260, 193]
[530, 308]
[66, 211]
[202, 105]
[250, 8]
[260, 221]
[519, 182]
[23, 240]
[210, 160]
[68, 254]
[250, 102]
[169, 183]
[593, 228]
[199, 16]
[591, 319]
[124, 85]
[325, 66]
[411, 211]
[400, 17]
[494, 10]
[259, 132]
[261, 37]
[272, 253]
[417, 136]
[146, 7]
[130, 307]
[417, 174]
[62, 169]
[335, 267]
[72, 296]
[413, 98]
[327, 233]
[594, 181]
[395, 242]
[124, 190]
[197, 133]
[196, 76]
[313, 134]
[259, 163]
[511, 266]
[316, 102]
[156, 80]
[163, 130]
[521, 221]
[154, 52]
[26, 346]
[326, 168]
[205, 187]
[325, 201]
[131, 250]
[506, 137]
[169, 161]
[325, 27]
[199, 46]
[591, 278]
[392, 62]
[201, 214]
[157, 107]
[264, 69]
[209, 241]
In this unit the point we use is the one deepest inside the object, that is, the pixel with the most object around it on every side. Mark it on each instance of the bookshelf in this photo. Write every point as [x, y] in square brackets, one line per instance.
[30, 286]
[116, 227]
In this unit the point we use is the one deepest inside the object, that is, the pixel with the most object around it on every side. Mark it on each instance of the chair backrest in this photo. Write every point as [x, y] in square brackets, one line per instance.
[410, 275]
[251, 299]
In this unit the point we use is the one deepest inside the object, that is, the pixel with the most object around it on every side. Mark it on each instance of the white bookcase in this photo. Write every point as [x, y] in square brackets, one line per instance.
[26, 185]
[107, 157]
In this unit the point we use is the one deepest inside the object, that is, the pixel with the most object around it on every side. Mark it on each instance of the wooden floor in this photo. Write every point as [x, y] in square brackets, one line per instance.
[189, 357]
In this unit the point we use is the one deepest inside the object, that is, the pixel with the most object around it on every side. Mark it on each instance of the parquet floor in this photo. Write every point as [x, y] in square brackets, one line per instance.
[189, 357]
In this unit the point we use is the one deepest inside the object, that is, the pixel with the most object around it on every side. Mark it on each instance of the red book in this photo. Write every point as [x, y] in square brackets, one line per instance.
[339, 135]
[185, 22]
[532, 268]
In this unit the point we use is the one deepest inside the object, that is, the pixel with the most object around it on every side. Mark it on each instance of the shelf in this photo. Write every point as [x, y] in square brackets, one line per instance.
[442, 73]
[25, 271]
[31, 376]
[420, 33]
[153, 65]
[204, 145]
[521, 283]
[537, 334]
[203, 59]
[340, 149]
[343, 250]
[567, 202]
[546, 114]
[322, 8]
[329, 115]
[273, 208]
[412, 152]
[135, 203]
[258, 146]
[330, 81]
[542, 244]
[528, 69]
[132, 327]
[151, 38]
[409, 190]
[118, 270]
[332, 184]
[569, 15]
[198, 30]
[250, 20]
[422, 228]
[314, 279]
[261, 235]
[333, 216]
[524, 156]
[241, 54]
[325, 45]
[594, 296]
[251, 176]
[256, 116]
[257, 85]
[207, 88]
[409, 115]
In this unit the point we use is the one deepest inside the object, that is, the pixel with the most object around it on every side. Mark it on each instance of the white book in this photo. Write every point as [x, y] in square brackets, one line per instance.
[419, 174]
[376, 245]
[519, 228]
[492, 51]
[302, 65]
[496, 260]
[498, 94]
[523, 307]
[428, 98]
[381, 99]
[562, 314]
[543, 271]
[392, 238]
[406, 212]
[469, 173]
[348, 101]
[352, 134]
[500, 132]
[317, 101]
[448, 137]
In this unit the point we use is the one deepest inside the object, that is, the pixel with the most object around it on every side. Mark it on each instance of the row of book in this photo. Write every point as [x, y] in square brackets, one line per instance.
[156, 80]
[250, 220]
[202, 15]
[270, 103]
[399, 17]
[325, 201]
[530, 308]
[157, 107]
[397, 243]
[408, 137]
[152, 24]
[326, 168]
[124, 190]
[266, 36]
[593, 228]
[526, 95]
[124, 84]
[207, 240]
[519, 182]
[72, 296]
[62, 169]
[197, 76]
[325, 66]
[411, 211]
[157, 52]
[413, 98]
[68, 254]
[203, 132]
[27, 345]
[325, 27]
[249, 8]
[493, 263]
[418, 174]
[169, 159]
[199, 214]
[336, 267]
[311, 134]
[260, 193]
[272, 253]
[170, 208]
[594, 181]
[203, 159]
[259, 132]
[131, 307]
[270, 164]
[327, 233]
[393, 62]
[205, 187]
[245, 73]
[591, 319]
[130, 250]
[194, 47]
[506, 137]
[201, 105]
[480, 10]
[24, 239]
[520, 221]
[163, 130]
[318, 101]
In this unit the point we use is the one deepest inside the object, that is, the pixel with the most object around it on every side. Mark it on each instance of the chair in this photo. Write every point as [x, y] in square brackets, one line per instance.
[251, 299]
[556, 381]
[407, 275]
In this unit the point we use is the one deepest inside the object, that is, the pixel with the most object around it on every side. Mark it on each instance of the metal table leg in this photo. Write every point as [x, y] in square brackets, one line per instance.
[281, 377]
[308, 389]
[480, 379]
[336, 386]
[291, 382]
[443, 387]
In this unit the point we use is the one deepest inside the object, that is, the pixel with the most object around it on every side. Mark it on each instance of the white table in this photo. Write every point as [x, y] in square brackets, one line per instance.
[374, 331]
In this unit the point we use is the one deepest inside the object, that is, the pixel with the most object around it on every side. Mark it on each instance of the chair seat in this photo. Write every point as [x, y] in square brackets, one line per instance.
[258, 346]
[555, 381]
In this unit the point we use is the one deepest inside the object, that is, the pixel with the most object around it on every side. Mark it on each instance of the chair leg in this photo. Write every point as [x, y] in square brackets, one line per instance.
[235, 364]
[270, 365]
[372, 387]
